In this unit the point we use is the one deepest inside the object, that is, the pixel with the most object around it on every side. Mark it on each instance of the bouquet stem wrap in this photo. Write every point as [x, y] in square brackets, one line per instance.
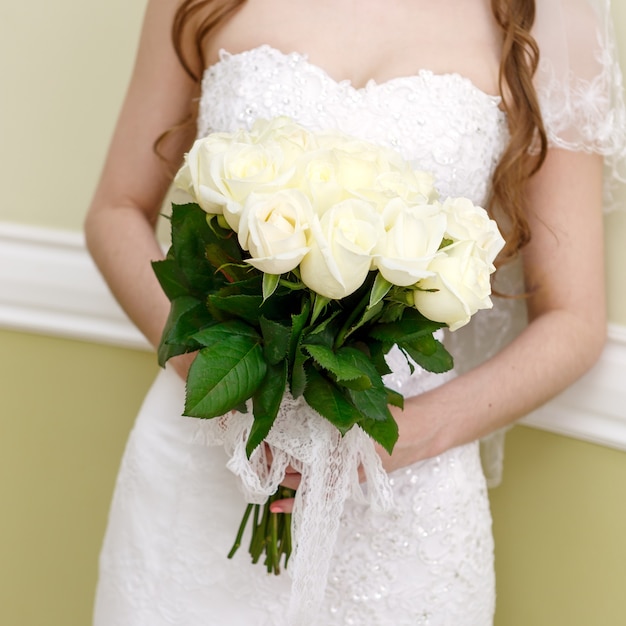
[329, 464]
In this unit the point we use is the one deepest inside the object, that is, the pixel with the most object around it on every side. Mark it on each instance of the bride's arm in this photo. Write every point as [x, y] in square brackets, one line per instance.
[565, 278]
[120, 224]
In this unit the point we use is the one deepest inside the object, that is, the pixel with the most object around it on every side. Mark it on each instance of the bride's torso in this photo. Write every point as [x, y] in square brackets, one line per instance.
[442, 116]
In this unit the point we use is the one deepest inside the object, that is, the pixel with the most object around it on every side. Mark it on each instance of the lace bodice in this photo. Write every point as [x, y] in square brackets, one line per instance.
[443, 123]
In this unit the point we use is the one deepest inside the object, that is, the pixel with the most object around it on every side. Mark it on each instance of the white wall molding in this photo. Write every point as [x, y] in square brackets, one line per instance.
[594, 408]
[50, 286]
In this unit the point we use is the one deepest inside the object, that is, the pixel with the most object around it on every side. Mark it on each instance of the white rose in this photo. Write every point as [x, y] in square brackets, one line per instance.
[462, 286]
[247, 168]
[220, 173]
[386, 159]
[318, 177]
[286, 132]
[468, 222]
[411, 239]
[415, 187]
[356, 171]
[273, 228]
[341, 242]
[192, 176]
[359, 162]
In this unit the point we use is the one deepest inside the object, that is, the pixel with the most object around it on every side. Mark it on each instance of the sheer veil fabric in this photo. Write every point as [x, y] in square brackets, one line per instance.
[581, 94]
[579, 80]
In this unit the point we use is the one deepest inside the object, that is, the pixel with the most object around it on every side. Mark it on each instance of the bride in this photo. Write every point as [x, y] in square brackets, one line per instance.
[512, 103]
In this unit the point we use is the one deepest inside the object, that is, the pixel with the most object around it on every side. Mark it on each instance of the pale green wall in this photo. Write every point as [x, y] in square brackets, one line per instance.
[559, 520]
[66, 406]
[64, 68]
[65, 410]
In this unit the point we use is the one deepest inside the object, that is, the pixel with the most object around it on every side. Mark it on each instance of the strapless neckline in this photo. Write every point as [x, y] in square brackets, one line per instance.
[421, 75]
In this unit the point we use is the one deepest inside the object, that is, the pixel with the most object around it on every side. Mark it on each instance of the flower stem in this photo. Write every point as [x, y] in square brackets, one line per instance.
[271, 533]
[272, 548]
[356, 311]
[240, 532]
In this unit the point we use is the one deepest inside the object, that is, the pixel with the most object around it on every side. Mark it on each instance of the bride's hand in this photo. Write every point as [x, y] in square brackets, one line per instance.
[418, 439]
[417, 444]
[291, 480]
[182, 363]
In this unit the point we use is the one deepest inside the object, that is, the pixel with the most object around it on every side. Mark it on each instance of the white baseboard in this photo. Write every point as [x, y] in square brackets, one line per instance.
[50, 286]
[594, 408]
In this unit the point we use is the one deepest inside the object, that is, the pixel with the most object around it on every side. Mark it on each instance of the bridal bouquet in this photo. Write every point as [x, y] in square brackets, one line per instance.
[304, 258]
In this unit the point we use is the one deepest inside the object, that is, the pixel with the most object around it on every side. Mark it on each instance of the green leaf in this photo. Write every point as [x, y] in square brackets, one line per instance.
[270, 283]
[222, 333]
[323, 396]
[166, 351]
[380, 289]
[241, 306]
[340, 363]
[384, 432]
[369, 314]
[226, 372]
[429, 354]
[266, 402]
[298, 323]
[276, 338]
[394, 398]
[392, 312]
[370, 401]
[250, 286]
[190, 236]
[324, 333]
[229, 266]
[171, 278]
[411, 326]
[298, 374]
[377, 353]
[319, 304]
[186, 316]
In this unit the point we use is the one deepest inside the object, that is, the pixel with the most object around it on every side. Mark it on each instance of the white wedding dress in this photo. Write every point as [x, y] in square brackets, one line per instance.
[177, 507]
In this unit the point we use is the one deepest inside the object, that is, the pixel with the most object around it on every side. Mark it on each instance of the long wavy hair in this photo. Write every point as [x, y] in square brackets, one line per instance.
[196, 20]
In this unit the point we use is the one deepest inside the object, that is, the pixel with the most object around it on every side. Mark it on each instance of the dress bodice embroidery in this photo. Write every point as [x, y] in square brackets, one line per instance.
[441, 122]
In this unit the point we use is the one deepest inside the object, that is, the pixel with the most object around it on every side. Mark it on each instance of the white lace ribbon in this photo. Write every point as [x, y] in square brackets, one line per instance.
[329, 465]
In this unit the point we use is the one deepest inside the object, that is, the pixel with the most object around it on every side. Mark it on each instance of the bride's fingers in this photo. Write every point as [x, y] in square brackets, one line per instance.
[282, 506]
[292, 476]
[291, 479]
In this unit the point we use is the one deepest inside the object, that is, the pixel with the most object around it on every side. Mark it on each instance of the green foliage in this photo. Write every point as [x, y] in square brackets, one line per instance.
[326, 398]
[187, 315]
[266, 402]
[257, 335]
[226, 371]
